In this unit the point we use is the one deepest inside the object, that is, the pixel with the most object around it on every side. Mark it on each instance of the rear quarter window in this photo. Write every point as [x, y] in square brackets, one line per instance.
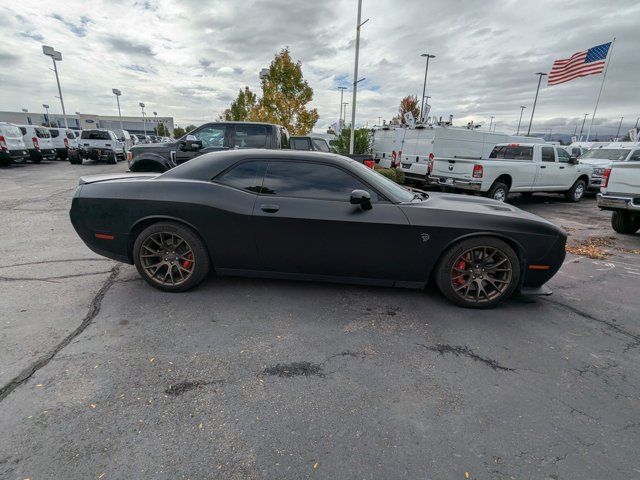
[54, 133]
[512, 152]
[42, 133]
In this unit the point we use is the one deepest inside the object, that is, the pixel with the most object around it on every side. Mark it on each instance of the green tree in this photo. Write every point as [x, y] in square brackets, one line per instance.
[361, 142]
[408, 104]
[241, 107]
[178, 132]
[285, 94]
[188, 128]
[161, 130]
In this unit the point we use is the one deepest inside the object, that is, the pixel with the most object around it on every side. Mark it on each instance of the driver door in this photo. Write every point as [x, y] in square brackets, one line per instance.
[213, 137]
[305, 224]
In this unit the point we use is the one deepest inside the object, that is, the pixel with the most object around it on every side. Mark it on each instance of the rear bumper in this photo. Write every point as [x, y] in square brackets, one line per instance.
[613, 201]
[95, 153]
[48, 153]
[471, 185]
[13, 155]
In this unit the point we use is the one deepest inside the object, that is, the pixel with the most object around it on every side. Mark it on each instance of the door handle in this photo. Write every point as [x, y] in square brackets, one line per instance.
[543, 166]
[561, 168]
[270, 208]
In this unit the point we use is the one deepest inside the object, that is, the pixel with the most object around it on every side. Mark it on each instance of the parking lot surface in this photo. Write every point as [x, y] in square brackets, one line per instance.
[103, 377]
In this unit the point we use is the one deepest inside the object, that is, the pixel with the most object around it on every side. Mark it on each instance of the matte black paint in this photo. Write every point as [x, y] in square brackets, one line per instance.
[394, 243]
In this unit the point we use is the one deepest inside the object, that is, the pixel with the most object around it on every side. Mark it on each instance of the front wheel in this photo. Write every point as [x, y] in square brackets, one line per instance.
[478, 272]
[625, 222]
[171, 257]
[576, 192]
[498, 191]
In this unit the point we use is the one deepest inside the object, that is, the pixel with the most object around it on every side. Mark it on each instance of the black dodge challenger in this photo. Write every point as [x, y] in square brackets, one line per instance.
[312, 216]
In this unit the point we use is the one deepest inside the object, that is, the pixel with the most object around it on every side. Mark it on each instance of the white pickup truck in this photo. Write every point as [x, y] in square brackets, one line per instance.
[514, 167]
[99, 144]
[620, 193]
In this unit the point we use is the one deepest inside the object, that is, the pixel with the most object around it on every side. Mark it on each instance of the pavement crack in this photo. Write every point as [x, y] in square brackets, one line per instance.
[294, 369]
[611, 325]
[51, 279]
[460, 350]
[63, 260]
[94, 310]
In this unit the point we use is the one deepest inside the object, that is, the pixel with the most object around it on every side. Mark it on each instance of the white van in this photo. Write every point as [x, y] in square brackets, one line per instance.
[124, 137]
[413, 148]
[12, 147]
[38, 142]
[63, 141]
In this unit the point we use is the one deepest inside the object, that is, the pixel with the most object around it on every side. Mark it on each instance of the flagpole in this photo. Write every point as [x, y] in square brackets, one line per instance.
[606, 69]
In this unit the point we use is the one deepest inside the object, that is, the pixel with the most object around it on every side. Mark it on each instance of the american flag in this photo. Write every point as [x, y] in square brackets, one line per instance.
[581, 64]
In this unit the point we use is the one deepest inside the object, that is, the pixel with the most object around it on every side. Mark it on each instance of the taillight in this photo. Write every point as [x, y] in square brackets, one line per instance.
[36, 145]
[368, 163]
[477, 171]
[66, 143]
[430, 164]
[129, 156]
[3, 144]
[605, 178]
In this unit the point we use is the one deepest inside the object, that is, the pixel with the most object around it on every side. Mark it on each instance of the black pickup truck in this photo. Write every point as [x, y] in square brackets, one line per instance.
[210, 137]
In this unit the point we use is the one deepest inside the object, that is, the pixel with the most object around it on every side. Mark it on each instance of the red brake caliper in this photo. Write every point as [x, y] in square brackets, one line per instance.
[187, 263]
[461, 265]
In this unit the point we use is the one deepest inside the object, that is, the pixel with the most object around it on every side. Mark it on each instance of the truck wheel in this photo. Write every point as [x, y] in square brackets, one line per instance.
[575, 193]
[498, 191]
[625, 222]
[112, 159]
[36, 157]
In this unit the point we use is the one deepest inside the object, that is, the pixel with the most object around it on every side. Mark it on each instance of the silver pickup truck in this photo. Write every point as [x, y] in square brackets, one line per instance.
[101, 145]
[620, 193]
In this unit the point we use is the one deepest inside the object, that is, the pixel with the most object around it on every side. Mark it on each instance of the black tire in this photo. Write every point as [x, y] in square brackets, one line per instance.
[168, 231]
[112, 159]
[498, 191]
[625, 222]
[75, 159]
[464, 289]
[36, 157]
[576, 192]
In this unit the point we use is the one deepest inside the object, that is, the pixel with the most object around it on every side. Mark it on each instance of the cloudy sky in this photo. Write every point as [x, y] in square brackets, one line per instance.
[189, 58]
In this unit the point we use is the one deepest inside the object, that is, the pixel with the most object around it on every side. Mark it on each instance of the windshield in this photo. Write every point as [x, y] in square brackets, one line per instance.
[512, 152]
[383, 183]
[615, 154]
[95, 135]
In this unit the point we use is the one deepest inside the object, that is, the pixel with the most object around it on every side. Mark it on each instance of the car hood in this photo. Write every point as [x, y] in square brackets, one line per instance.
[149, 147]
[596, 162]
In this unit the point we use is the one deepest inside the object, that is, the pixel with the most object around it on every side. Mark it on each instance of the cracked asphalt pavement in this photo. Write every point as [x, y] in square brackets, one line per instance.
[103, 377]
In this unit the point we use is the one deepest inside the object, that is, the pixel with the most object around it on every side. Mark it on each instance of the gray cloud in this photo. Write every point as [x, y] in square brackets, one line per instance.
[129, 47]
[78, 29]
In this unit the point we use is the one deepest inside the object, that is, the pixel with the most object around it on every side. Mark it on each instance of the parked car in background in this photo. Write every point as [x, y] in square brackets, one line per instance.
[309, 143]
[125, 138]
[602, 158]
[12, 146]
[284, 214]
[101, 145]
[64, 141]
[514, 167]
[620, 194]
[38, 142]
[210, 137]
[142, 138]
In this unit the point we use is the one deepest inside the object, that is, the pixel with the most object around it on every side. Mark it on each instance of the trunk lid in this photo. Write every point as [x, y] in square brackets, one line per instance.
[105, 177]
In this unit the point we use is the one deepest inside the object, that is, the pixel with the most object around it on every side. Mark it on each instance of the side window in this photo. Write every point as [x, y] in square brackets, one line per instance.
[246, 176]
[563, 155]
[310, 180]
[23, 130]
[548, 155]
[70, 134]
[320, 144]
[211, 136]
[284, 138]
[54, 133]
[250, 136]
[300, 144]
[635, 156]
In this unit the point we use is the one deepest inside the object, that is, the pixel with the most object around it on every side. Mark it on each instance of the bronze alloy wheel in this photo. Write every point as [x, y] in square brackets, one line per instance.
[481, 274]
[167, 258]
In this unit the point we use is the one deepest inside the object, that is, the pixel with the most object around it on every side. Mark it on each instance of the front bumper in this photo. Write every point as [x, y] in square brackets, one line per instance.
[620, 201]
[450, 182]
[534, 276]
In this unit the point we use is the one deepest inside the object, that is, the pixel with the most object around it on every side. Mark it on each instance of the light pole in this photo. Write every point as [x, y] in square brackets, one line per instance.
[637, 119]
[540, 75]
[155, 115]
[342, 89]
[424, 85]
[344, 105]
[379, 121]
[355, 79]
[491, 122]
[582, 127]
[46, 107]
[522, 107]
[117, 93]
[144, 122]
[618, 132]
[56, 57]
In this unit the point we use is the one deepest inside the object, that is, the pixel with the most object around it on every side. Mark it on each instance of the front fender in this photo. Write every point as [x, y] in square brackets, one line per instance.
[150, 162]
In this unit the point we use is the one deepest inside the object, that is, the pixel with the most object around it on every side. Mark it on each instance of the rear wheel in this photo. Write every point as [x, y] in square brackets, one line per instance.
[479, 272]
[576, 192]
[498, 191]
[36, 157]
[111, 158]
[625, 222]
[170, 257]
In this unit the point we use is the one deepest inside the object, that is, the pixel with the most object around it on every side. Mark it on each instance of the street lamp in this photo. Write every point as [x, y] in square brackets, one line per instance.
[491, 122]
[522, 107]
[540, 75]
[618, 132]
[46, 107]
[582, 127]
[56, 57]
[342, 89]
[117, 93]
[344, 105]
[144, 122]
[424, 85]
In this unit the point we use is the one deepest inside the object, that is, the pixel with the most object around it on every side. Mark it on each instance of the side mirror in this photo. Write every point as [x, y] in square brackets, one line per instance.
[362, 198]
[573, 160]
[191, 144]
